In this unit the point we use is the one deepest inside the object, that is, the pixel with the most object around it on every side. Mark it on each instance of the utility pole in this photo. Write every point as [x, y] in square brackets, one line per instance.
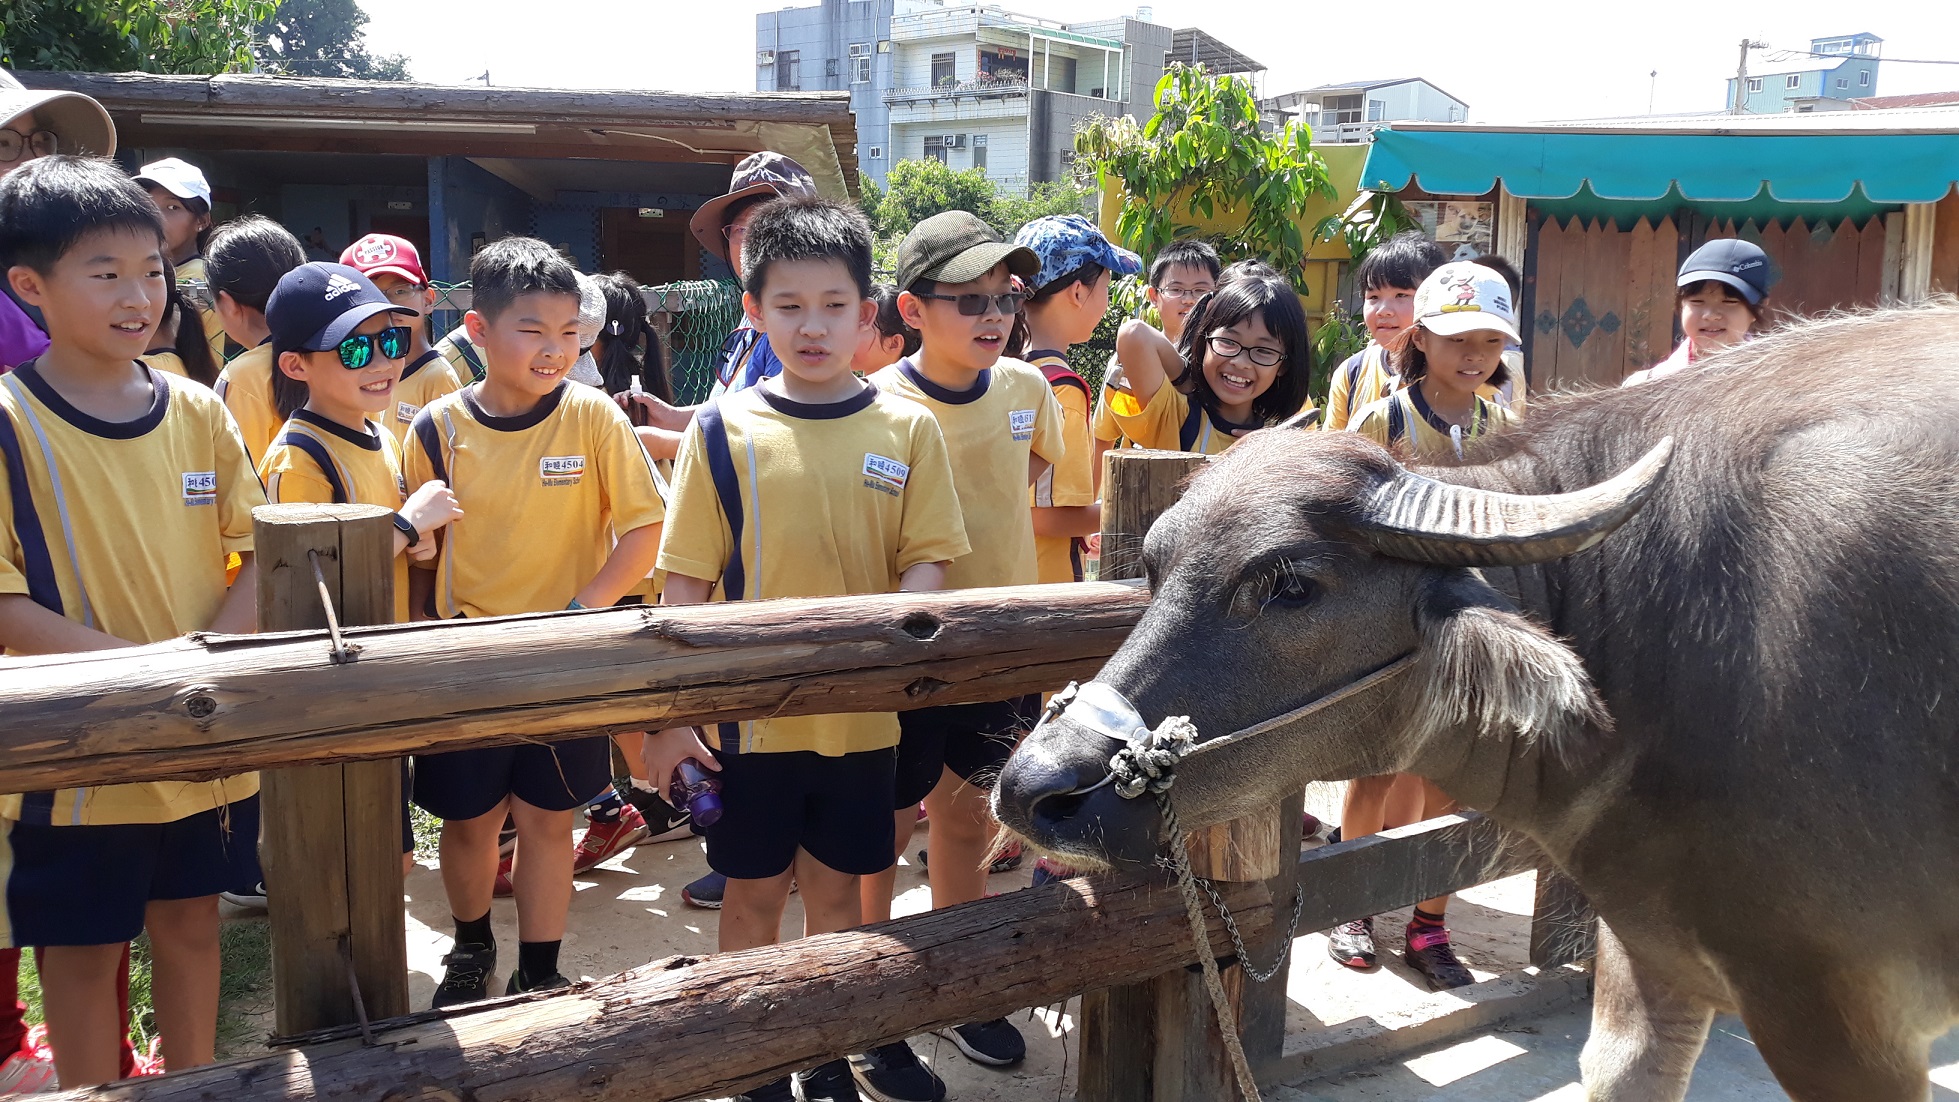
[1652, 86]
[1741, 75]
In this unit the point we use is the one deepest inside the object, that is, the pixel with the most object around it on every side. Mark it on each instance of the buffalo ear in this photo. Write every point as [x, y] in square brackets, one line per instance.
[1486, 667]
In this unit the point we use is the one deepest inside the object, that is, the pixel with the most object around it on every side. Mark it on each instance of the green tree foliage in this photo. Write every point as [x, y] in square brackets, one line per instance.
[917, 190]
[1205, 154]
[114, 36]
[324, 38]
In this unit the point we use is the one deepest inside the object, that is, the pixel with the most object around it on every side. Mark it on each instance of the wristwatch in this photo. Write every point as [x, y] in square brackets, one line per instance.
[406, 529]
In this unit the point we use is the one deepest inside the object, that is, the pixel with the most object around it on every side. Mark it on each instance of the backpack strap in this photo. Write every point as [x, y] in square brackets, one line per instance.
[471, 356]
[1193, 425]
[1397, 420]
[1059, 374]
[43, 584]
[430, 438]
[727, 487]
[318, 453]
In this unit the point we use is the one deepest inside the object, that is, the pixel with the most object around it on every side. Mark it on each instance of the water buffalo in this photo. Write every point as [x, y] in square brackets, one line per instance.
[1728, 719]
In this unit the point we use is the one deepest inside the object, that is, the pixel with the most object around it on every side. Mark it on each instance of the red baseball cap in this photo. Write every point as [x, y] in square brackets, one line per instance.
[384, 252]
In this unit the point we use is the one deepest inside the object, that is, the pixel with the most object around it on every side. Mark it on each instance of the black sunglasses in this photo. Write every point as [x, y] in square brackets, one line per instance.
[976, 306]
[357, 352]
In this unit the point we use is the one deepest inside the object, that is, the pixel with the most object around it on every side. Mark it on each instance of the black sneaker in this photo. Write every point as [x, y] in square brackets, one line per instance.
[552, 982]
[665, 822]
[1430, 954]
[778, 1091]
[830, 1082]
[1352, 944]
[466, 975]
[996, 1043]
[705, 892]
[894, 1073]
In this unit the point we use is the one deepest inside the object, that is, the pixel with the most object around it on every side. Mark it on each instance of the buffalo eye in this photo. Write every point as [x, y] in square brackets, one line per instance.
[1291, 588]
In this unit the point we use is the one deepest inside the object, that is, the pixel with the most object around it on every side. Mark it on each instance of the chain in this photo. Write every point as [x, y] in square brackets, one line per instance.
[1237, 940]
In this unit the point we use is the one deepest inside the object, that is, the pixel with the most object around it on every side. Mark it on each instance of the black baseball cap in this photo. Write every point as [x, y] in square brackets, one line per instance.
[767, 174]
[954, 247]
[316, 305]
[1730, 260]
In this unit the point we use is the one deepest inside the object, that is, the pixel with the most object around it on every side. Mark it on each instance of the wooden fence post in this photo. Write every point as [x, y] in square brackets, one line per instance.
[332, 848]
[1158, 1041]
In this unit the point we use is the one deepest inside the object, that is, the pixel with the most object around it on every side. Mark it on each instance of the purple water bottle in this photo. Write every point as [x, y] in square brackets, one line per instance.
[696, 791]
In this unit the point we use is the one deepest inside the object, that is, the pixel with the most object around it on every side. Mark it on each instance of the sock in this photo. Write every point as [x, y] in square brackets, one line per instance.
[607, 808]
[1423, 918]
[537, 961]
[644, 786]
[475, 931]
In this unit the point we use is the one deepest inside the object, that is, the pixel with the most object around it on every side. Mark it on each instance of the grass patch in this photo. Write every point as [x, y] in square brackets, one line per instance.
[428, 833]
[245, 962]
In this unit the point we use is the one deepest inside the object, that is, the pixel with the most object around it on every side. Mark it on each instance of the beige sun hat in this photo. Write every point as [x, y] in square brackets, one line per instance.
[78, 123]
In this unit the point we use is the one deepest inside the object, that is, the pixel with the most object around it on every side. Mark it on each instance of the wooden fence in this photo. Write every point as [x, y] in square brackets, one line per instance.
[660, 1032]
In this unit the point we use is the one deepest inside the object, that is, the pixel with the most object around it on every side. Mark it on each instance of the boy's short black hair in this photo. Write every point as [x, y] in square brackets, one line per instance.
[50, 203]
[1403, 260]
[806, 229]
[1186, 253]
[246, 258]
[1089, 272]
[514, 266]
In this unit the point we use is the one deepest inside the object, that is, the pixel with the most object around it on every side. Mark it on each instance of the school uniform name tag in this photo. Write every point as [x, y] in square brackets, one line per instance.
[405, 413]
[1021, 421]
[884, 474]
[200, 488]
[561, 470]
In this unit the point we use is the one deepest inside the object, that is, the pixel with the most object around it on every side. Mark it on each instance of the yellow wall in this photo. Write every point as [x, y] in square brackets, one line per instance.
[1343, 164]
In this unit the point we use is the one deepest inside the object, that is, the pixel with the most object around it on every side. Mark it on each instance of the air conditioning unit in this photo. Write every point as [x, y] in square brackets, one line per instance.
[946, 140]
[765, 57]
[884, 46]
[959, 141]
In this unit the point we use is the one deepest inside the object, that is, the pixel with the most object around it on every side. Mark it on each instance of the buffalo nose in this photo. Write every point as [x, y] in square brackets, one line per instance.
[1046, 777]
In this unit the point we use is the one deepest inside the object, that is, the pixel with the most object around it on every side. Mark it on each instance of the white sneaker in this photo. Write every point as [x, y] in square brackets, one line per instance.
[31, 1070]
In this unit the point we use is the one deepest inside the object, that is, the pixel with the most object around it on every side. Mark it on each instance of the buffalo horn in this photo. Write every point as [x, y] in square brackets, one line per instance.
[1421, 519]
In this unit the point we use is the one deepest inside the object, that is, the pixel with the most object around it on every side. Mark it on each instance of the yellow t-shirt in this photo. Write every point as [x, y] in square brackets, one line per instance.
[166, 361]
[1104, 424]
[1168, 420]
[465, 359]
[542, 494]
[123, 527]
[1366, 378]
[1404, 422]
[245, 384]
[1069, 483]
[422, 381]
[315, 459]
[990, 431]
[828, 500]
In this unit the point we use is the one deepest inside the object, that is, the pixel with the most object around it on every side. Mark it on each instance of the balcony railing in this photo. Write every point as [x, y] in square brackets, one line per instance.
[983, 88]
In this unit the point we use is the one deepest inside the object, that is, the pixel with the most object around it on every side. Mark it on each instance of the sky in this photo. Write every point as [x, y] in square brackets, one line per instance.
[1520, 61]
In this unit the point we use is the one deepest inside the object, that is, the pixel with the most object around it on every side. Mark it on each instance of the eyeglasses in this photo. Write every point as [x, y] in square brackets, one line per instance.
[1229, 349]
[357, 352]
[41, 143]
[1184, 292]
[977, 306]
[729, 233]
[407, 292]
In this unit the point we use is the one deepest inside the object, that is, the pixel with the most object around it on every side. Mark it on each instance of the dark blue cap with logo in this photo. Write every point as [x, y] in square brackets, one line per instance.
[1730, 260]
[317, 305]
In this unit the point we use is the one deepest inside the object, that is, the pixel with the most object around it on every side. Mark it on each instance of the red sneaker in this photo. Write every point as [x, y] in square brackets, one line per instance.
[30, 1070]
[151, 1062]
[504, 889]
[604, 841]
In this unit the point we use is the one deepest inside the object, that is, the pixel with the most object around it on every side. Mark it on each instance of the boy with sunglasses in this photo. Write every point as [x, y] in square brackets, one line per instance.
[395, 266]
[1003, 431]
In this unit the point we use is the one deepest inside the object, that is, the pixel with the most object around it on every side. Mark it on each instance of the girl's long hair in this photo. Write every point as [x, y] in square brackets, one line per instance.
[632, 347]
[191, 346]
[1273, 302]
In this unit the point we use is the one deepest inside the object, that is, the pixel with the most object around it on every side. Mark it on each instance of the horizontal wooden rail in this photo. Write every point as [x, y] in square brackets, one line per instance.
[684, 1027]
[1404, 865]
[212, 705]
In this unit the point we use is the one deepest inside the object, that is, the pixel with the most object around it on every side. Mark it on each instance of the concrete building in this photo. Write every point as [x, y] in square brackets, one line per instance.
[971, 85]
[1823, 78]
[1352, 111]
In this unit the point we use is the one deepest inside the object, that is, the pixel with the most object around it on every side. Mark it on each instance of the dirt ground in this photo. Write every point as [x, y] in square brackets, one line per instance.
[628, 911]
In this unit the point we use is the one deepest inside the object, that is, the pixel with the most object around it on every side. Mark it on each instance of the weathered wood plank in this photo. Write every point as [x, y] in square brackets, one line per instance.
[217, 705]
[661, 1032]
[1404, 865]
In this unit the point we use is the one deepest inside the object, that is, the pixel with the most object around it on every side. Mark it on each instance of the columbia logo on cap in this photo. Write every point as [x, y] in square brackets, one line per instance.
[338, 285]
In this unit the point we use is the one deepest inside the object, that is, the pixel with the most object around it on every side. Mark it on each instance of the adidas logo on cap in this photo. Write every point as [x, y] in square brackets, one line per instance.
[338, 285]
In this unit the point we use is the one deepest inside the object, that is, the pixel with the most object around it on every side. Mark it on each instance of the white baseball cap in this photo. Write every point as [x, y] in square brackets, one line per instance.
[1461, 297]
[178, 177]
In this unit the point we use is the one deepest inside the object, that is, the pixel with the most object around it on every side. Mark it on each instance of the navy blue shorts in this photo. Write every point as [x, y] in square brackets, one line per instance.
[88, 885]
[838, 809]
[556, 776]
[972, 740]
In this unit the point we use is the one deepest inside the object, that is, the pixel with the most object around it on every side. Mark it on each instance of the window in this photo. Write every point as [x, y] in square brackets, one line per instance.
[1864, 79]
[1794, 80]
[1754, 84]
[860, 63]
[935, 149]
[789, 71]
[979, 152]
[830, 67]
[1455, 113]
[874, 153]
[1377, 110]
[942, 69]
[1843, 82]
[1344, 109]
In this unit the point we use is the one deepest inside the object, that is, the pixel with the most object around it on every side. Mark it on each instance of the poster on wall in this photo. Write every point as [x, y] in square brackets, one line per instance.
[1464, 229]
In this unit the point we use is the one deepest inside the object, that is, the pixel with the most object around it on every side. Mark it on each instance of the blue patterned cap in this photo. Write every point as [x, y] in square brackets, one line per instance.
[1065, 242]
